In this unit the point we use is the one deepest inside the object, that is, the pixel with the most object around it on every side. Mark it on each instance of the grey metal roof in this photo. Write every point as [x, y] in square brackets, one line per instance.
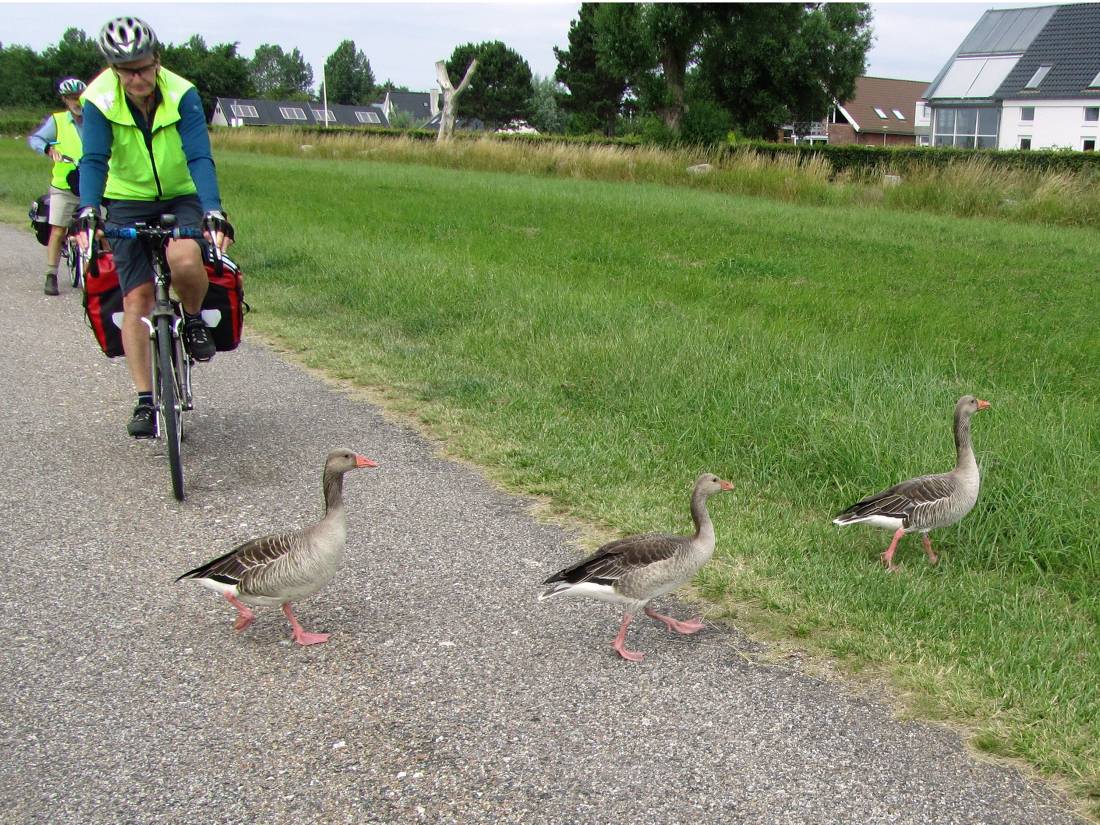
[1065, 37]
[1006, 31]
[269, 114]
[1070, 45]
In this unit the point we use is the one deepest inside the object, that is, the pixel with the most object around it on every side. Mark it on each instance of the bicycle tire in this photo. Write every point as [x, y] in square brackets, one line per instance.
[169, 412]
[76, 266]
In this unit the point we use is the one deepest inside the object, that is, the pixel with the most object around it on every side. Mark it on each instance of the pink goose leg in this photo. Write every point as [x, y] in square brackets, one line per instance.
[299, 635]
[932, 557]
[888, 556]
[245, 616]
[690, 626]
[620, 641]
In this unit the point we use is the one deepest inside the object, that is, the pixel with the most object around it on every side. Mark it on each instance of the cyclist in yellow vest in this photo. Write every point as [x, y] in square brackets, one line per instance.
[147, 153]
[58, 137]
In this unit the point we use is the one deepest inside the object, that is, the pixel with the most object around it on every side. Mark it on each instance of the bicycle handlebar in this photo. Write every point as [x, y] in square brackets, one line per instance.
[161, 232]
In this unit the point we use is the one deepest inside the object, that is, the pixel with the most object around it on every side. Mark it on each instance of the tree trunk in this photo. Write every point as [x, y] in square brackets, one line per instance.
[447, 116]
[675, 69]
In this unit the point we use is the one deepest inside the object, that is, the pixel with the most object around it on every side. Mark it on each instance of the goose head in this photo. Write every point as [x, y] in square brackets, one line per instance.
[968, 405]
[708, 484]
[341, 460]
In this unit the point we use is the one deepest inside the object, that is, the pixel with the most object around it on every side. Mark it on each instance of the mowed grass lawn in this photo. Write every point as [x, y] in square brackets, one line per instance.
[601, 344]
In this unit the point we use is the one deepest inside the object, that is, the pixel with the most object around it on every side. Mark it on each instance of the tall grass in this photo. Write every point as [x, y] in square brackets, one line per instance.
[971, 188]
[602, 343]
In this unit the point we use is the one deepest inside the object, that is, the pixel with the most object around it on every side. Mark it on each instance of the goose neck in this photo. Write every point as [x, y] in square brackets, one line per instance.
[964, 452]
[703, 526]
[333, 484]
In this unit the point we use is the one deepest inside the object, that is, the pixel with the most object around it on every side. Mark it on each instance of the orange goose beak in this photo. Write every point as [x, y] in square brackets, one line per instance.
[725, 485]
[363, 461]
[983, 405]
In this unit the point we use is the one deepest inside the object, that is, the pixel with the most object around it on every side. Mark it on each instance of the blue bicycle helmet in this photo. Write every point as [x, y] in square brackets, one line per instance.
[71, 86]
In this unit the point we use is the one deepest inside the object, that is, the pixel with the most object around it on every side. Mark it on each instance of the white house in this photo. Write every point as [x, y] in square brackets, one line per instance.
[1025, 78]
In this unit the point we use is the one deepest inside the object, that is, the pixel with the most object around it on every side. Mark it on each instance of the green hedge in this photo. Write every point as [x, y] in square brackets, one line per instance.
[859, 158]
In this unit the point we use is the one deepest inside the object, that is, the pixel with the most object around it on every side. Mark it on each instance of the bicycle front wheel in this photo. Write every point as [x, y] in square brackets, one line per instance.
[170, 425]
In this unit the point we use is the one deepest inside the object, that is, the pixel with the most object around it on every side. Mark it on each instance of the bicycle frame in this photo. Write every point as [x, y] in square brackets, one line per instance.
[171, 363]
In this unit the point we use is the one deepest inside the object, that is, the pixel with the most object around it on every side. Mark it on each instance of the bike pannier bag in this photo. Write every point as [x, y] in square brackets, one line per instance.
[103, 303]
[224, 307]
[40, 218]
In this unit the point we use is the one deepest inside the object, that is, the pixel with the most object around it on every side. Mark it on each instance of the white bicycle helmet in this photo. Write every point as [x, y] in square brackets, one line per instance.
[71, 86]
[126, 39]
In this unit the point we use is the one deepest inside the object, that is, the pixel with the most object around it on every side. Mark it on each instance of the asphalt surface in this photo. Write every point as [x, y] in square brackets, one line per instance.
[446, 693]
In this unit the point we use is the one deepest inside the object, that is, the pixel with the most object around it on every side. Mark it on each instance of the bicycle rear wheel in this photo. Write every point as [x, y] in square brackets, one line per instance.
[171, 427]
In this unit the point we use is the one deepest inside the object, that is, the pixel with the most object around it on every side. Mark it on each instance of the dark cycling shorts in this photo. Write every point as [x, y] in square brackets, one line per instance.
[133, 261]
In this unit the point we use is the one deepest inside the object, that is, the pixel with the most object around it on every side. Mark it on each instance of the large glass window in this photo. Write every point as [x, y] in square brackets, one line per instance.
[966, 128]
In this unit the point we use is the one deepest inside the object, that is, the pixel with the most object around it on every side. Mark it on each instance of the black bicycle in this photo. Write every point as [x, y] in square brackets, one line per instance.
[171, 362]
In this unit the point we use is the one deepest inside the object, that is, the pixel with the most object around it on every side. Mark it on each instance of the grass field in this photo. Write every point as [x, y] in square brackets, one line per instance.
[600, 344]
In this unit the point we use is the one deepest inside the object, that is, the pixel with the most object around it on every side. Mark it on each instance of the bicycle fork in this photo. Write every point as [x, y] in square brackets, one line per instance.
[181, 369]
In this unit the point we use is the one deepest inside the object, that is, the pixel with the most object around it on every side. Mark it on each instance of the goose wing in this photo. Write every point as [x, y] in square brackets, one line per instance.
[902, 500]
[615, 559]
[252, 556]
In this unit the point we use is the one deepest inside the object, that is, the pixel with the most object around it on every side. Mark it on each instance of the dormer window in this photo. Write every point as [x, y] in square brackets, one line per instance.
[1037, 78]
[880, 113]
[1095, 82]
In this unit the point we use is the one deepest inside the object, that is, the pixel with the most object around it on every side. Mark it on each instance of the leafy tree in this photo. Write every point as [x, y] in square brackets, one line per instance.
[277, 75]
[216, 72]
[652, 45]
[500, 90]
[595, 93]
[545, 113]
[25, 80]
[389, 86]
[768, 63]
[75, 55]
[349, 76]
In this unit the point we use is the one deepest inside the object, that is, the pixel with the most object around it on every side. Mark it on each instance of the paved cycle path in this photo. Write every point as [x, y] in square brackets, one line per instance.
[446, 693]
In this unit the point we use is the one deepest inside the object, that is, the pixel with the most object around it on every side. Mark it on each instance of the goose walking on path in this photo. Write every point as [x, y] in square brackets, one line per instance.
[634, 570]
[286, 567]
[925, 503]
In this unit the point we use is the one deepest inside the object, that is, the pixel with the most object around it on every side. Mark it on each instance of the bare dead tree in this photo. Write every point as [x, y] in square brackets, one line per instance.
[447, 118]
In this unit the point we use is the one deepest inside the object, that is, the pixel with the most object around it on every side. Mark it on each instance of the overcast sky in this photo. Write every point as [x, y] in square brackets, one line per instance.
[403, 40]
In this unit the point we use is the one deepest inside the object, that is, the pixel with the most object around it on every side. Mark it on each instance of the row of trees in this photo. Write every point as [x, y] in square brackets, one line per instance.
[691, 71]
[30, 79]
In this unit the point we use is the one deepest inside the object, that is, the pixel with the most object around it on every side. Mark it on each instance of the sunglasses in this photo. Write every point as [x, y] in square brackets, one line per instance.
[140, 70]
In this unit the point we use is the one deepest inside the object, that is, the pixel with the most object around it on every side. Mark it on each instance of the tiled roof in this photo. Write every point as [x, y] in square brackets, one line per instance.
[1070, 45]
[1064, 37]
[886, 95]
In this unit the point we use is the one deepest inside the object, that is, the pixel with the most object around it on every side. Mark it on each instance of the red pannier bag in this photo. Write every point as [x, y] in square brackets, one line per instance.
[224, 307]
[103, 303]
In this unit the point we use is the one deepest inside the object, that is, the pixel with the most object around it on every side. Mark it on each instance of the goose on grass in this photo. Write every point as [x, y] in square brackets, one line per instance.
[927, 502]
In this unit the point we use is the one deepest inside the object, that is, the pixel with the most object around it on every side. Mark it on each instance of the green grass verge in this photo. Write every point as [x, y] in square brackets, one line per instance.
[600, 344]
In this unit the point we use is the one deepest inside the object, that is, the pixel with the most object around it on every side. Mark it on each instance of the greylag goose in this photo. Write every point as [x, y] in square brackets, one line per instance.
[928, 502]
[286, 567]
[634, 570]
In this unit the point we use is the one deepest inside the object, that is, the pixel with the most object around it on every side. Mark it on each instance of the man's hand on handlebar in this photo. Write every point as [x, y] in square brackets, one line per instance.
[217, 229]
[89, 223]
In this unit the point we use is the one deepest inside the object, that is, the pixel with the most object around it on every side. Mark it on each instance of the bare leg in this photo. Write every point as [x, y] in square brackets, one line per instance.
[299, 635]
[888, 556]
[932, 557]
[620, 641]
[690, 626]
[136, 303]
[188, 273]
[245, 617]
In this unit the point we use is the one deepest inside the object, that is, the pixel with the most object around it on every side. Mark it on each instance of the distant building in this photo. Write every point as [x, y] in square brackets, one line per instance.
[1025, 78]
[418, 107]
[881, 112]
[251, 112]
